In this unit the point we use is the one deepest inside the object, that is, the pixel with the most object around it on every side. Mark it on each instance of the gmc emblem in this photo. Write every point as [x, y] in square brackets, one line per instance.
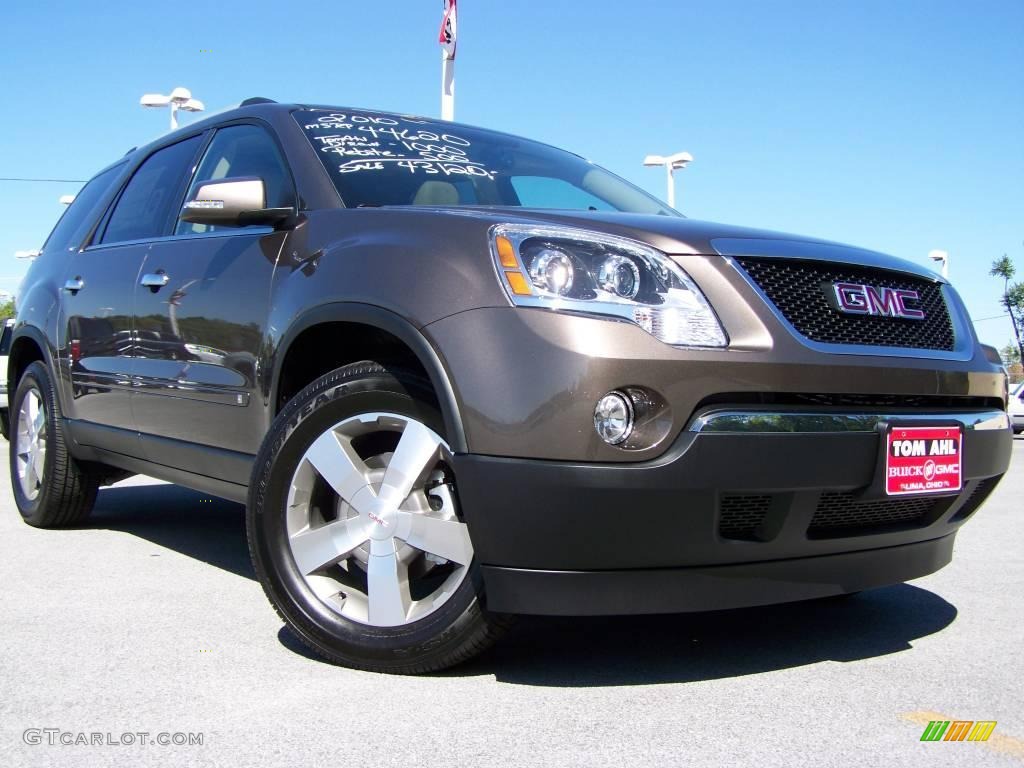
[860, 299]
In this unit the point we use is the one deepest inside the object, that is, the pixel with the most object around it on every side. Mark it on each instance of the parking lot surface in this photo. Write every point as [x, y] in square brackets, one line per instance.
[148, 621]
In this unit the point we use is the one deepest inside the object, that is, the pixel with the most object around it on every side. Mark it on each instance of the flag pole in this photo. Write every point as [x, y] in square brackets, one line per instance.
[447, 87]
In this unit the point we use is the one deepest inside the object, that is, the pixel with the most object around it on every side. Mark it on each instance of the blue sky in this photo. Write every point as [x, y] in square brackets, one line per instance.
[895, 125]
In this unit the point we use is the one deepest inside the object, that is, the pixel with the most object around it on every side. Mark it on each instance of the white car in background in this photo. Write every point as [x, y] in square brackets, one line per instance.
[1016, 407]
[5, 348]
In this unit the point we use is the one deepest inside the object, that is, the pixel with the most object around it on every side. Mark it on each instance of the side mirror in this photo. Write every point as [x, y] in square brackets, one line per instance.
[237, 202]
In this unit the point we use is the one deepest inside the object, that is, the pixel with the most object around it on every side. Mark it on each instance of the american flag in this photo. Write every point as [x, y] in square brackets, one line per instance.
[448, 28]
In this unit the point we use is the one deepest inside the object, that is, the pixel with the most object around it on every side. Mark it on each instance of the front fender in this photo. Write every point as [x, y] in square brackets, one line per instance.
[384, 320]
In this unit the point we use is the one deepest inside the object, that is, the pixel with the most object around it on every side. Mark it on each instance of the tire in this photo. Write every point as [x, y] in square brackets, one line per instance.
[5, 423]
[51, 489]
[338, 558]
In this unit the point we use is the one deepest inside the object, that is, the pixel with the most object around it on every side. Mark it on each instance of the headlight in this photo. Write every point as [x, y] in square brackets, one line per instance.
[573, 270]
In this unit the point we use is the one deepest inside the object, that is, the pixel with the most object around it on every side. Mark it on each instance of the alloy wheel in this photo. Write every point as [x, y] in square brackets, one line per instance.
[372, 522]
[30, 443]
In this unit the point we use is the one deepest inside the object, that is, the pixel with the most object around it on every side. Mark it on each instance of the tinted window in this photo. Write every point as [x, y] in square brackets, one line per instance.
[546, 192]
[145, 207]
[384, 159]
[72, 227]
[243, 150]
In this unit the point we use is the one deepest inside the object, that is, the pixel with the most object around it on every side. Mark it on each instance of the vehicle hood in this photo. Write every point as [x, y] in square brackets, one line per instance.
[680, 236]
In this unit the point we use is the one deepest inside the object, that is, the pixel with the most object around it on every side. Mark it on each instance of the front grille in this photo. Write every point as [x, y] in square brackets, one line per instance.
[798, 290]
[843, 514]
[740, 515]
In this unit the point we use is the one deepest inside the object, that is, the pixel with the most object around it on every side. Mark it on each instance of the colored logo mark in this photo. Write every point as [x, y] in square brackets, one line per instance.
[958, 730]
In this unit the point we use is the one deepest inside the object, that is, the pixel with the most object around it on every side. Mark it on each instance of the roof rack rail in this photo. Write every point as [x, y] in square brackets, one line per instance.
[256, 100]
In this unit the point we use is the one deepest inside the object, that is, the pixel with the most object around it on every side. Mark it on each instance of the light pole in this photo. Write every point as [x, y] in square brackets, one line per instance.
[179, 98]
[671, 163]
[943, 258]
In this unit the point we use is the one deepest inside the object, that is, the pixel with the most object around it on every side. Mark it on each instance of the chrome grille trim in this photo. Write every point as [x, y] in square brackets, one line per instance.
[752, 421]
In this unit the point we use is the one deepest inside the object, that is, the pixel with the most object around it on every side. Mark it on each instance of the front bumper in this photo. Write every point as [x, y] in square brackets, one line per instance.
[527, 380]
[709, 588]
[722, 519]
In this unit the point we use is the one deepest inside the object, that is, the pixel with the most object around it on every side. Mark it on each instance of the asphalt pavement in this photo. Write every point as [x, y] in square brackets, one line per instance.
[147, 624]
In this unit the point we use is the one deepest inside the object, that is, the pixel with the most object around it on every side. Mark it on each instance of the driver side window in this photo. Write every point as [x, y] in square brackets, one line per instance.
[237, 151]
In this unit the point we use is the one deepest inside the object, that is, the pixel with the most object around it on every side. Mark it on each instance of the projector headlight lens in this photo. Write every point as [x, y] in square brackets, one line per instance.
[552, 271]
[574, 270]
[619, 275]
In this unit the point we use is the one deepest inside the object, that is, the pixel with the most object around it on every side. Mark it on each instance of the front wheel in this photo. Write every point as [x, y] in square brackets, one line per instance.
[355, 530]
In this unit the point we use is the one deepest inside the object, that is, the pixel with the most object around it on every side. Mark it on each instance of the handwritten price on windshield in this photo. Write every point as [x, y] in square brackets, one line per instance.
[414, 166]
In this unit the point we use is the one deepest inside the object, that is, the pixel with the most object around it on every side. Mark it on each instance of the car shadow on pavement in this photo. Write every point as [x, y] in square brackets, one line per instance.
[587, 651]
[647, 650]
[195, 524]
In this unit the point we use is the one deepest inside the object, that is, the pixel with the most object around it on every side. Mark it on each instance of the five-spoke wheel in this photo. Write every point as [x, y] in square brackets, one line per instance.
[30, 443]
[355, 528]
[372, 523]
[51, 489]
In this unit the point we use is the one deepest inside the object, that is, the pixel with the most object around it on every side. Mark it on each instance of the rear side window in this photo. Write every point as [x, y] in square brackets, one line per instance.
[145, 207]
[71, 228]
[239, 151]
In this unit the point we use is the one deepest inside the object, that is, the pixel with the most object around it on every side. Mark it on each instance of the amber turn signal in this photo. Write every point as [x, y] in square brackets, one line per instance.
[518, 283]
[506, 253]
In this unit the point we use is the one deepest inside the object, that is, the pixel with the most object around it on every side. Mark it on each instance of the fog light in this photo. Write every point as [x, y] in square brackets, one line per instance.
[613, 417]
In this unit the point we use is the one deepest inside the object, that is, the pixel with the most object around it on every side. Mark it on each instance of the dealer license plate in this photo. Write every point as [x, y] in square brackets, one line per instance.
[923, 460]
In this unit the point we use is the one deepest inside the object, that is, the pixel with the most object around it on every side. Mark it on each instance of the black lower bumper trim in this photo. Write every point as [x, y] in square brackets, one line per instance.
[677, 512]
[682, 590]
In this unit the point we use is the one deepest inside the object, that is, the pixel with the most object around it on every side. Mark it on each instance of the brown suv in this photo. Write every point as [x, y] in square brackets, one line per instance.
[457, 375]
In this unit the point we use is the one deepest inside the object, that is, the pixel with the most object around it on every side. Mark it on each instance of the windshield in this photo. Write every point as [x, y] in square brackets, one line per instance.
[382, 159]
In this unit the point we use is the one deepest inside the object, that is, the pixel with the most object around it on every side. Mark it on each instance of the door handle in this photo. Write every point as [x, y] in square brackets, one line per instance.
[155, 281]
[74, 285]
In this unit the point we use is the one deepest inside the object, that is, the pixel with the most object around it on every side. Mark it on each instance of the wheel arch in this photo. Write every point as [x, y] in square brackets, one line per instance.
[28, 345]
[388, 322]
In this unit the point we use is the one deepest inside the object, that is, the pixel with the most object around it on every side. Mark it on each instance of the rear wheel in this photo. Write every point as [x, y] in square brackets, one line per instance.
[51, 489]
[355, 530]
